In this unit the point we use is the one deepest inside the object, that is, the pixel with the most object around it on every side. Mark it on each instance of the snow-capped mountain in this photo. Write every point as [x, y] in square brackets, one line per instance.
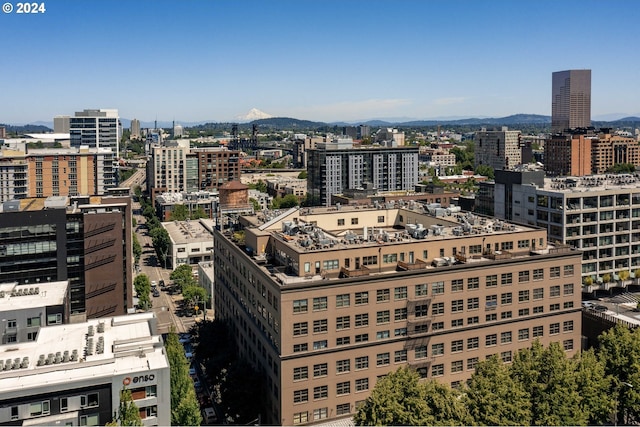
[254, 114]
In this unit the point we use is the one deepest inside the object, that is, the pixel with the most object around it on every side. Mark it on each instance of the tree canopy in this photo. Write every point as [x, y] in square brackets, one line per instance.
[185, 410]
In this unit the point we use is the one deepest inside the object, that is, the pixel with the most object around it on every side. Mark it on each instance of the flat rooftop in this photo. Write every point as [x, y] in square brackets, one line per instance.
[20, 297]
[592, 183]
[193, 231]
[99, 348]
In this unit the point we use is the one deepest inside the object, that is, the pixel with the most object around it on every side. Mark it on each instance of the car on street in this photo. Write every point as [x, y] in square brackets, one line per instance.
[587, 304]
[600, 308]
[156, 293]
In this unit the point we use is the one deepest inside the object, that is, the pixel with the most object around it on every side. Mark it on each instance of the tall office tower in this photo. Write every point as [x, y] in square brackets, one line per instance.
[3, 132]
[85, 240]
[96, 128]
[61, 124]
[499, 149]
[571, 100]
[338, 166]
[135, 129]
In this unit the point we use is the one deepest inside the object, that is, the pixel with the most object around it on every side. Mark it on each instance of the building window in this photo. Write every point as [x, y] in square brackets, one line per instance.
[400, 332]
[33, 321]
[568, 270]
[523, 295]
[340, 222]
[523, 312]
[554, 328]
[300, 306]
[354, 221]
[438, 308]
[400, 293]
[362, 298]
[300, 373]
[538, 331]
[491, 302]
[400, 314]
[343, 340]
[362, 338]
[554, 272]
[457, 346]
[319, 326]
[362, 362]
[505, 337]
[321, 413]
[421, 352]
[435, 326]
[39, 408]
[437, 288]
[343, 366]
[523, 334]
[491, 340]
[538, 293]
[343, 388]
[343, 322]
[473, 343]
[554, 307]
[64, 404]
[492, 281]
[567, 345]
[473, 303]
[342, 300]
[523, 276]
[457, 285]
[437, 349]
[506, 298]
[300, 396]
[383, 295]
[32, 336]
[362, 320]
[300, 328]
[90, 420]
[554, 291]
[457, 366]
[52, 319]
[457, 305]
[538, 309]
[506, 315]
[538, 274]
[473, 320]
[382, 359]
[362, 384]
[319, 345]
[568, 304]
[456, 323]
[506, 279]
[506, 356]
[382, 317]
[437, 370]
[400, 356]
[342, 409]
[472, 363]
[491, 317]
[473, 283]
[300, 347]
[320, 370]
[568, 289]
[300, 417]
[421, 290]
[320, 303]
[567, 326]
[380, 219]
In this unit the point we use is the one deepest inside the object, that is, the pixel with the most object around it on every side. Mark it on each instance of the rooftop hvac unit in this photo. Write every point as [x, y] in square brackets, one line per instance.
[7, 364]
[101, 327]
[65, 356]
[25, 362]
[90, 333]
[40, 361]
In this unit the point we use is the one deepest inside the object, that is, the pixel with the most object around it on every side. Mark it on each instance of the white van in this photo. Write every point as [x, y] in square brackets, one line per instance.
[209, 416]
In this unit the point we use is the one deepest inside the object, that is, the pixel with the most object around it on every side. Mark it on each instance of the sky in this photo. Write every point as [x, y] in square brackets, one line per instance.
[322, 60]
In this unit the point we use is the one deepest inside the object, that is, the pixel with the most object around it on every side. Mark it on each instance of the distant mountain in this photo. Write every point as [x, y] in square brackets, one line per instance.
[30, 128]
[288, 123]
[516, 119]
[254, 114]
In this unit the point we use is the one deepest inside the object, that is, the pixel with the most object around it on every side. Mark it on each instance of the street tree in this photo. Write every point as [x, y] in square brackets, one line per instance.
[182, 277]
[179, 213]
[493, 397]
[128, 413]
[184, 403]
[137, 249]
[196, 295]
[142, 286]
[594, 386]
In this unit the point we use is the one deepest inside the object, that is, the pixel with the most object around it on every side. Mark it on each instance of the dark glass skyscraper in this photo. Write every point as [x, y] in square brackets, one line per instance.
[570, 100]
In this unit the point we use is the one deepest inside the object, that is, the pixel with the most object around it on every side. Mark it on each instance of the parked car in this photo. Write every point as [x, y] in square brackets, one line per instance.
[600, 308]
[156, 293]
[209, 416]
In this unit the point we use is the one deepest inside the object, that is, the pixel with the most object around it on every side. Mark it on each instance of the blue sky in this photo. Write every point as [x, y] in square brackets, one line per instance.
[325, 60]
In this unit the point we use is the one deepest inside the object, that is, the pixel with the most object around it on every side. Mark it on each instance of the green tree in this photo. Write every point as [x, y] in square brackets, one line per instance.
[495, 398]
[260, 185]
[302, 175]
[179, 213]
[255, 204]
[128, 412]
[184, 403]
[401, 399]
[182, 277]
[199, 213]
[285, 202]
[485, 170]
[142, 286]
[137, 249]
[161, 242]
[196, 295]
[594, 386]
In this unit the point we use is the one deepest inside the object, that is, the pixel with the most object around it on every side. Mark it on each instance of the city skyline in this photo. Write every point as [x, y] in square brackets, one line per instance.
[197, 61]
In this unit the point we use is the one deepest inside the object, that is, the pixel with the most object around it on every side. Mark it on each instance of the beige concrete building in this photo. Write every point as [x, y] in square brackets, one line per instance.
[325, 301]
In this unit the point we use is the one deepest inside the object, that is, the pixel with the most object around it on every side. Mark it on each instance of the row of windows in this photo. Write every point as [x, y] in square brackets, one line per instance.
[437, 288]
[322, 392]
[321, 413]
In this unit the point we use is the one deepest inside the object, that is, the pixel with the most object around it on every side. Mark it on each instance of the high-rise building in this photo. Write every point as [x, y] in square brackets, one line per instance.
[61, 124]
[3, 132]
[499, 149]
[86, 241]
[323, 301]
[135, 129]
[96, 129]
[570, 100]
[337, 166]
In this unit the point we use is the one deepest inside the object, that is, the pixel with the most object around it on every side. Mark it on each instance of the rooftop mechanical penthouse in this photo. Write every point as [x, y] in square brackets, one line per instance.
[324, 301]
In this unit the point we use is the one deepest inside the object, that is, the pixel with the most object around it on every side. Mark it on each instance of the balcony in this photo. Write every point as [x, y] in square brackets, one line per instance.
[362, 271]
[417, 265]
